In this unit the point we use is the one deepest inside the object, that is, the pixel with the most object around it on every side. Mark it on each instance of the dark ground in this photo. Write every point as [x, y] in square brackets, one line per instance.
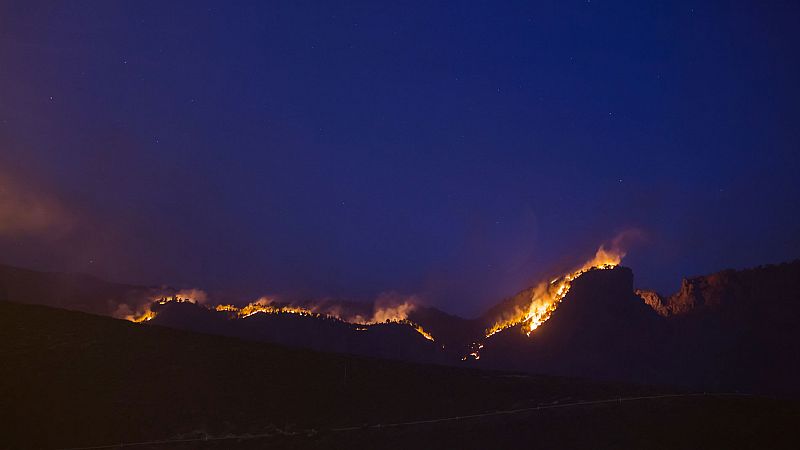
[71, 379]
[675, 423]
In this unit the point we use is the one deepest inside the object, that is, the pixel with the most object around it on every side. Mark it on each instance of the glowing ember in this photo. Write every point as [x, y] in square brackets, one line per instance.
[547, 296]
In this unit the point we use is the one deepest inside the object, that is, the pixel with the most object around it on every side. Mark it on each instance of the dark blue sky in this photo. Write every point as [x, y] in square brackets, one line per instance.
[454, 151]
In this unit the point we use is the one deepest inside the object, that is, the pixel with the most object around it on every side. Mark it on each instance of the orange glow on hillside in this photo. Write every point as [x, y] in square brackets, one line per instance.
[397, 313]
[148, 314]
[548, 295]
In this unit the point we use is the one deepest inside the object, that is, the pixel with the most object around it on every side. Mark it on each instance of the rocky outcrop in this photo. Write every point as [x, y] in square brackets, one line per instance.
[654, 300]
[742, 292]
[728, 331]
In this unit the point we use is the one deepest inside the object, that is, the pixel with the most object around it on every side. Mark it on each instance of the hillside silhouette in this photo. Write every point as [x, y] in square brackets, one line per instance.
[729, 331]
[71, 379]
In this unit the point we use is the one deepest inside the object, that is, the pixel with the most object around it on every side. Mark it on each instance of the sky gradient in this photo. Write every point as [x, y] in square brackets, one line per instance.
[456, 153]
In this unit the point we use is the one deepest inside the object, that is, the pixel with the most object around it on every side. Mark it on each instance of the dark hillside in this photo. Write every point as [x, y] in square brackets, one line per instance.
[73, 379]
[70, 379]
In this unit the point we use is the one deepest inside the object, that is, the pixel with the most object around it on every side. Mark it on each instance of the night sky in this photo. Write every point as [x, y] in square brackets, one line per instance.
[454, 152]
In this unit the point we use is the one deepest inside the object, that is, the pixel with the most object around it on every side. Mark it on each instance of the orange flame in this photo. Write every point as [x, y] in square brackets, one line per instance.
[548, 295]
[389, 311]
[183, 296]
[395, 313]
[144, 316]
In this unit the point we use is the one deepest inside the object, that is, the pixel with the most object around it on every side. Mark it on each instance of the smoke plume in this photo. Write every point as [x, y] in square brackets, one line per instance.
[27, 212]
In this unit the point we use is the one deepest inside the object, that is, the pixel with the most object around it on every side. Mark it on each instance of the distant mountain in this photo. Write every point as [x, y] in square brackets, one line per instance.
[766, 292]
[324, 333]
[87, 293]
[733, 330]
[600, 330]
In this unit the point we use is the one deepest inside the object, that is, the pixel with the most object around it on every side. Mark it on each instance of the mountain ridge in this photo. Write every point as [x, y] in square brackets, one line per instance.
[739, 334]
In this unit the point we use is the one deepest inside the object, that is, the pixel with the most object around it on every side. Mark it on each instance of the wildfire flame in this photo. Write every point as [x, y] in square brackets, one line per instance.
[264, 305]
[394, 313]
[545, 298]
[548, 295]
[148, 314]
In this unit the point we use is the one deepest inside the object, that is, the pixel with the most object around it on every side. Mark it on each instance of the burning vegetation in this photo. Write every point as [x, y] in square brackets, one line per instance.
[382, 313]
[547, 295]
[545, 298]
[147, 313]
[528, 314]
